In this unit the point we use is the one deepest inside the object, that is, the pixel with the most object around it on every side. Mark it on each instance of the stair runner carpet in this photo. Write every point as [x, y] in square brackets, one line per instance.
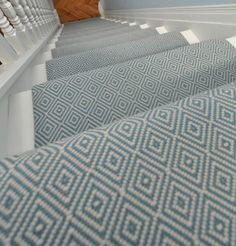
[76, 26]
[108, 33]
[91, 28]
[166, 176]
[73, 48]
[74, 104]
[98, 31]
[73, 26]
[101, 57]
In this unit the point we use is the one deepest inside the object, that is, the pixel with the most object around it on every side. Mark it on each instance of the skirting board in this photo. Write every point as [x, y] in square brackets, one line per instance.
[207, 22]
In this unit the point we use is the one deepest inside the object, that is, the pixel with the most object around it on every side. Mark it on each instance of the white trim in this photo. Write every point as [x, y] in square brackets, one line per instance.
[204, 7]
[232, 41]
[101, 10]
[161, 30]
[15, 69]
[206, 22]
[21, 123]
[190, 37]
[188, 7]
[133, 24]
[44, 57]
[7, 53]
[144, 26]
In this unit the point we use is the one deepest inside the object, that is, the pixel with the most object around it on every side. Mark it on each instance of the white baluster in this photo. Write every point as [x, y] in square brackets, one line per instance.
[10, 12]
[14, 19]
[5, 26]
[24, 18]
[36, 17]
[21, 13]
[39, 15]
[11, 34]
[57, 19]
[44, 14]
[27, 5]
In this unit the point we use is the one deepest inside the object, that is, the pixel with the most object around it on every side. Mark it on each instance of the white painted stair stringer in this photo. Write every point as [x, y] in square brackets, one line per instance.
[36, 73]
[46, 52]
[21, 123]
[207, 22]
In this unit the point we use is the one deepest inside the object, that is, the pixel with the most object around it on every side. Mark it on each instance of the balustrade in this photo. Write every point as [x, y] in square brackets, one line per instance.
[24, 19]
[22, 24]
[10, 34]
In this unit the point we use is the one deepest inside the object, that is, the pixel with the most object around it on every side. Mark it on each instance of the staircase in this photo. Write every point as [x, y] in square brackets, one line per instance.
[130, 140]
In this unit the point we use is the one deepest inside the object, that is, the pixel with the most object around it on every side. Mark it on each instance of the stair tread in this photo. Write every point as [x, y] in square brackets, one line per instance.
[146, 174]
[77, 47]
[138, 85]
[101, 57]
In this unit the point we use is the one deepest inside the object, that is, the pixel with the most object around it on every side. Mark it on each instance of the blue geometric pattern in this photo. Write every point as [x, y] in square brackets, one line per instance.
[89, 29]
[84, 36]
[91, 25]
[124, 37]
[71, 105]
[101, 57]
[163, 177]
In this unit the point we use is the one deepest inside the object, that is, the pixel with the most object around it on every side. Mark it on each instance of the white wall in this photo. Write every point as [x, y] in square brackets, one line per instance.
[136, 4]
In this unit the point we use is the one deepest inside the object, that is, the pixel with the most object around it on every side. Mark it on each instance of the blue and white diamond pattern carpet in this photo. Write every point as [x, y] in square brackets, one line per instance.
[110, 55]
[77, 47]
[163, 177]
[91, 35]
[84, 35]
[71, 105]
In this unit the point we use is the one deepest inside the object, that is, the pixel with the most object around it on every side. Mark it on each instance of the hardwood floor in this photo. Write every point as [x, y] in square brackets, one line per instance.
[71, 10]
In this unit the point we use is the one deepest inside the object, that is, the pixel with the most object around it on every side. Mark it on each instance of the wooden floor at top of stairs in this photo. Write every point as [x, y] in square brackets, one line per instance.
[72, 10]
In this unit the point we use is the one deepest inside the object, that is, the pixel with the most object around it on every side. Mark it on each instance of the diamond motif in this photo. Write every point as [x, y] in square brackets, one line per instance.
[40, 224]
[146, 183]
[96, 205]
[63, 181]
[114, 162]
[225, 114]
[193, 130]
[217, 224]
[223, 144]
[84, 149]
[13, 197]
[222, 181]
[155, 145]
[132, 225]
[165, 118]
[180, 204]
[189, 162]
[34, 166]
[127, 131]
